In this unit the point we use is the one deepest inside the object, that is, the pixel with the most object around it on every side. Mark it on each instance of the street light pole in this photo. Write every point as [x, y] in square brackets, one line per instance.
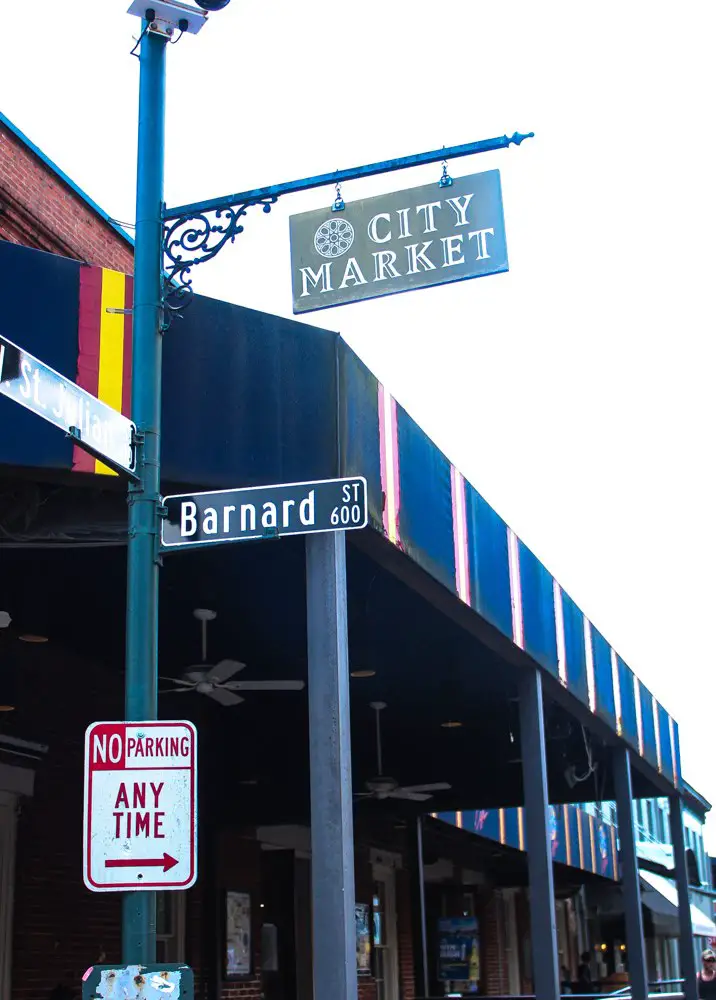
[139, 908]
[191, 238]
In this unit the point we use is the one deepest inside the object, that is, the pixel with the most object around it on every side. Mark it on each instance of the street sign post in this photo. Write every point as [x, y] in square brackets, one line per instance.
[264, 512]
[398, 242]
[92, 424]
[140, 812]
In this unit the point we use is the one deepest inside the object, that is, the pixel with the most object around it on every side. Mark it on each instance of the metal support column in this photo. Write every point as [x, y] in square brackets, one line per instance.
[334, 933]
[687, 957]
[419, 920]
[139, 908]
[636, 951]
[543, 919]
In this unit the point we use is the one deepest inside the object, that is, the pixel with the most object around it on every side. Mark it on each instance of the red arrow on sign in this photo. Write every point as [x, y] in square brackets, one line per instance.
[166, 862]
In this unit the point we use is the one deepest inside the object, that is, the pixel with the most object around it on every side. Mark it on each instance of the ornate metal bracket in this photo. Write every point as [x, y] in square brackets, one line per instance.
[196, 238]
[196, 233]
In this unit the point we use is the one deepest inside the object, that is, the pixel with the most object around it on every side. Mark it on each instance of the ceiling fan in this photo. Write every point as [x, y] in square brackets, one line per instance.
[384, 787]
[215, 680]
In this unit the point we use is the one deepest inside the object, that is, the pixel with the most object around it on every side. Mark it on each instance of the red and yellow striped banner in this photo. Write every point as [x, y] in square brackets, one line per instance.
[104, 360]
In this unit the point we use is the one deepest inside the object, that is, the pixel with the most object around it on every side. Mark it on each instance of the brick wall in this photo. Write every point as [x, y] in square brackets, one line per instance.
[37, 209]
[238, 865]
[390, 841]
[406, 960]
[495, 979]
[59, 927]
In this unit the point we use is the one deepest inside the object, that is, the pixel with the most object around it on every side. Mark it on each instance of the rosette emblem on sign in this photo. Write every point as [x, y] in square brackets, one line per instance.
[334, 238]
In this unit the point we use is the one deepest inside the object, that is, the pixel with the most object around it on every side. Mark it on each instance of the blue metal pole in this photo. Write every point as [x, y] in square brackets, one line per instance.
[543, 917]
[351, 174]
[638, 978]
[139, 908]
[687, 957]
[332, 865]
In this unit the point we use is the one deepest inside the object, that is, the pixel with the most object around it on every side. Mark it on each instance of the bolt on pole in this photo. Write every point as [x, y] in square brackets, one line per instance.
[139, 908]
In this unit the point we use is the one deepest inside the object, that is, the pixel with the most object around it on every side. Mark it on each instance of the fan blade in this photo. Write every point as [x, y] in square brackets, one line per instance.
[177, 680]
[264, 685]
[404, 793]
[438, 786]
[224, 697]
[223, 670]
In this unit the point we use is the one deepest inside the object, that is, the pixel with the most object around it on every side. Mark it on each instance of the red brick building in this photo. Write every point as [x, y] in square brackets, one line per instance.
[41, 207]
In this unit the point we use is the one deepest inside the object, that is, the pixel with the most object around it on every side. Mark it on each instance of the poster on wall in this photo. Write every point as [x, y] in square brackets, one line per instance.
[238, 934]
[459, 949]
[363, 939]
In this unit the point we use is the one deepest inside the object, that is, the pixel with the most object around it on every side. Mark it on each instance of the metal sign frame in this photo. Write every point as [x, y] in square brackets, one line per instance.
[401, 241]
[142, 817]
[278, 493]
[29, 398]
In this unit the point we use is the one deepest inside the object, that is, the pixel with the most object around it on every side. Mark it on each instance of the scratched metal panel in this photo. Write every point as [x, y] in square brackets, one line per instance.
[603, 680]
[647, 725]
[138, 982]
[358, 427]
[426, 527]
[488, 562]
[667, 761]
[630, 730]
[538, 610]
[574, 649]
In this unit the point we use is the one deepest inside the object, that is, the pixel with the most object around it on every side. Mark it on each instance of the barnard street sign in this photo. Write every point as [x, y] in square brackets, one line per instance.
[397, 242]
[94, 425]
[140, 806]
[265, 512]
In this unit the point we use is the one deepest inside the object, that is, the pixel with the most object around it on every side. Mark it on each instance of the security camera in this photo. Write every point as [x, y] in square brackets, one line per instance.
[164, 17]
[212, 4]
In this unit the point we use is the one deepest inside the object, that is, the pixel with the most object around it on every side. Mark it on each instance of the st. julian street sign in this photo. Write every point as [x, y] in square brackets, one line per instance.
[140, 818]
[265, 512]
[397, 242]
[94, 426]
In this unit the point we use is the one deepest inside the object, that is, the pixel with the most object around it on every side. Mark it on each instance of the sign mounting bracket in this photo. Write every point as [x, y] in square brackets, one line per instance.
[195, 233]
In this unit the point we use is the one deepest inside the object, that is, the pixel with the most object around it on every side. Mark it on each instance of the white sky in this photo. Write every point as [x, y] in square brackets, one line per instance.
[575, 392]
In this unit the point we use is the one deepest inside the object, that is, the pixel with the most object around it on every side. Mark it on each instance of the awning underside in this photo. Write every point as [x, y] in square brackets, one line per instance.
[661, 896]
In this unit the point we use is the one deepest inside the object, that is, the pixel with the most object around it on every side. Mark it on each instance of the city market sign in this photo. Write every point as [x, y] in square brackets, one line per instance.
[398, 242]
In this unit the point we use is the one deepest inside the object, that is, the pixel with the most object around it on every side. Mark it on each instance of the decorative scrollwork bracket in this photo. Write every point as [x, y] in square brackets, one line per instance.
[196, 233]
[194, 239]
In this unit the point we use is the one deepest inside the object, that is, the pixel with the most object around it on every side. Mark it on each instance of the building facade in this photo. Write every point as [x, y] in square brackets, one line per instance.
[449, 613]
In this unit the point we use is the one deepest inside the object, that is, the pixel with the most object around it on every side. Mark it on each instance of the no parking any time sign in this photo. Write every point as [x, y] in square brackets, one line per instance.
[140, 813]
